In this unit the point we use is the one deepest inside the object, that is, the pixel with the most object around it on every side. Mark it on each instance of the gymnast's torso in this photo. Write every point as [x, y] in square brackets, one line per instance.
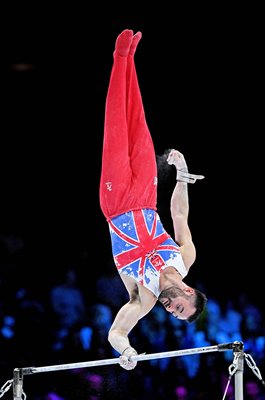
[142, 248]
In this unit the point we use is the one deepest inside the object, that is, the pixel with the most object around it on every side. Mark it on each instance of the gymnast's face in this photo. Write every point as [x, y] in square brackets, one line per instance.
[180, 303]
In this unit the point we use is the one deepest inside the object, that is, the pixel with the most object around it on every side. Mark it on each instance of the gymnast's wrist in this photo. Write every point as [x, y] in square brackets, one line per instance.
[129, 351]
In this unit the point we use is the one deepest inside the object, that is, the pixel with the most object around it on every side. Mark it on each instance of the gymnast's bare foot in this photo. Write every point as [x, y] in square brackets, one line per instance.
[135, 40]
[123, 42]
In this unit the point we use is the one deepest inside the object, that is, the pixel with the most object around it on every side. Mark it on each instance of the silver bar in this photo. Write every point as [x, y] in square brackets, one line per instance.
[139, 357]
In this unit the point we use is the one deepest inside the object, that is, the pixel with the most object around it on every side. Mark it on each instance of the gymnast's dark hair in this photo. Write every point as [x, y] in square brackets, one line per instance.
[200, 304]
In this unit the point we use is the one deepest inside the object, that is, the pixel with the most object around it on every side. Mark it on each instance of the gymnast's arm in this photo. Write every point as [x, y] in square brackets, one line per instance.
[179, 208]
[141, 302]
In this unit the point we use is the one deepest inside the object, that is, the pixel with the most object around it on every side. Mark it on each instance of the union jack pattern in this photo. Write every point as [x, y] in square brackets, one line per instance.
[142, 248]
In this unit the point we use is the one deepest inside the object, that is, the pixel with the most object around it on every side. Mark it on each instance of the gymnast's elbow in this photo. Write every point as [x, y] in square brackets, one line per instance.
[118, 339]
[116, 334]
[111, 335]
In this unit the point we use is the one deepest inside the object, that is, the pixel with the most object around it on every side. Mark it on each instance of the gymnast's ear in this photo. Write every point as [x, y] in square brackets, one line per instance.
[189, 291]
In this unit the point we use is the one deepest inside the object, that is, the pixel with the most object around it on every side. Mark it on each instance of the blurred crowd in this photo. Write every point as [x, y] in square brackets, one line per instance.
[57, 321]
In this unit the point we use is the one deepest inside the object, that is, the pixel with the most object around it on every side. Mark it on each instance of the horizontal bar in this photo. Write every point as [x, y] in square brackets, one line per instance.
[139, 357]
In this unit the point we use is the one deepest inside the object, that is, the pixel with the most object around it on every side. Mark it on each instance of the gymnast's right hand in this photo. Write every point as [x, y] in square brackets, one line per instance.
[124, 359]
[176, 158]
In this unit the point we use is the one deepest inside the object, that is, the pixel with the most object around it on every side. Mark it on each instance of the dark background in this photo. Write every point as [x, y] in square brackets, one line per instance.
[200, 77]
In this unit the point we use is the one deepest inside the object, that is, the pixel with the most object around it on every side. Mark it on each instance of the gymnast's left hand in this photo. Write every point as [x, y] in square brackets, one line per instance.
[125, 361]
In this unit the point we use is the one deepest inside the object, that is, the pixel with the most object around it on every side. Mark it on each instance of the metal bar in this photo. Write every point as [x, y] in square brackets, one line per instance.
[17, 384]
[239, 377]
[139, 357]
[18, 373]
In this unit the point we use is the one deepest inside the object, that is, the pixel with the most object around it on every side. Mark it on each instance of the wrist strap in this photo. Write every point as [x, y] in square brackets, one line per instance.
[184, 176]
[127, 348]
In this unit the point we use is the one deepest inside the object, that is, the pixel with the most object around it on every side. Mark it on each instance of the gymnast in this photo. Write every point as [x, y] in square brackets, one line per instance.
[151, 264]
